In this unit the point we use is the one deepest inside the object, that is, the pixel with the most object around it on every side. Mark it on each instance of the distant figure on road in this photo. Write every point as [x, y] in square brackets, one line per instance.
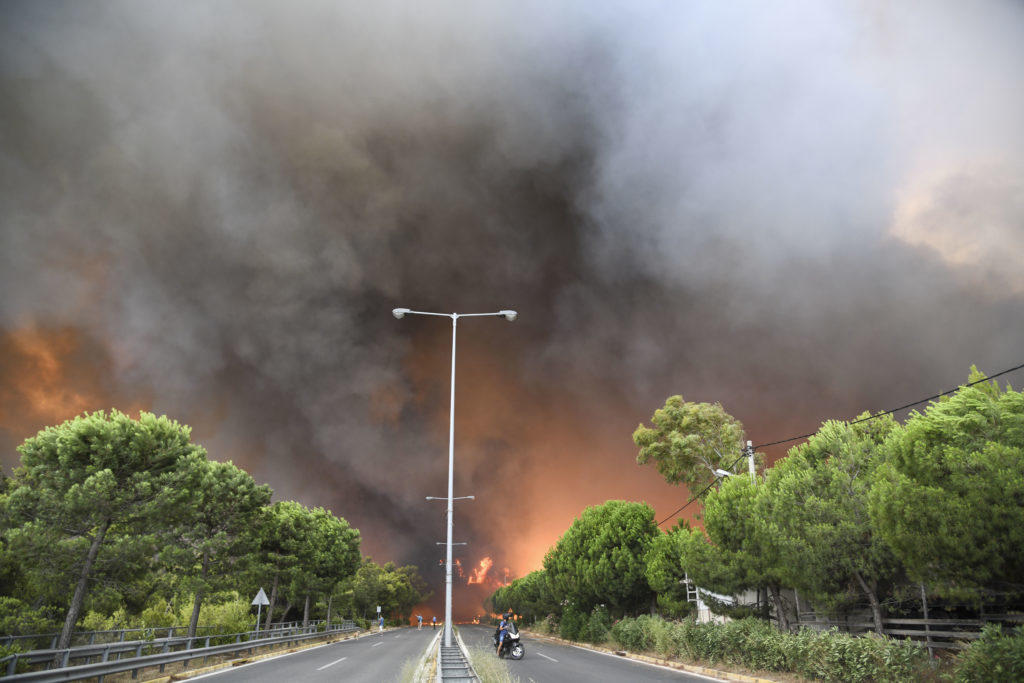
[419, 621]
[435, 621]
[380, 623]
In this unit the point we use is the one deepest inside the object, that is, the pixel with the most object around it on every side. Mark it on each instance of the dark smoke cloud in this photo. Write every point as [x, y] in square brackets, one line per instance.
[801, 210]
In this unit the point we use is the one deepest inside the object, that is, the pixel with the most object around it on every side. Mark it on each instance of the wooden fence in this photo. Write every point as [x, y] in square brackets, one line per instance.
[943, 634]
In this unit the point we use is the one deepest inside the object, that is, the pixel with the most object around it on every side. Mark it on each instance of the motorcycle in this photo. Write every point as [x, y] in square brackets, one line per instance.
[511, 646]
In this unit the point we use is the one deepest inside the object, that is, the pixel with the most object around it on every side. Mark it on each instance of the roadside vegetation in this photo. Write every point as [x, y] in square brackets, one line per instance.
[869, 516]
[489, 668]
[111, 522]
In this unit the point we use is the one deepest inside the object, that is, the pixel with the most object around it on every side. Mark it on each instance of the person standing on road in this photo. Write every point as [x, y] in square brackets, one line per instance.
[380, 623]
[419, 621]
[435, 621]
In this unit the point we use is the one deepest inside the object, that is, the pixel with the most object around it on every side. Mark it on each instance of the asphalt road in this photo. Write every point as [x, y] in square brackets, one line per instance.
[550, 663]
[372, 658]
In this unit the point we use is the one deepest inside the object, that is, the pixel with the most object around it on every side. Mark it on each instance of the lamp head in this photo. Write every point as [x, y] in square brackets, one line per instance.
[399, 312]
[723, 473]
[509, 315]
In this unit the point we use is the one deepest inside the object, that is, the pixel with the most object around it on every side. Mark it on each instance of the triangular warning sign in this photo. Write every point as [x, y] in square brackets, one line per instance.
[260, 599]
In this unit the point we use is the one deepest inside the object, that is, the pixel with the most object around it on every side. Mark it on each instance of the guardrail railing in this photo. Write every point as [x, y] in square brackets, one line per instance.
[191, 648]
[120, 635]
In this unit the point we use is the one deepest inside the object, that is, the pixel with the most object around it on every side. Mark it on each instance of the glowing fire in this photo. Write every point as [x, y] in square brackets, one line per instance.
[40, 378]
[51, 374]
[480, 573]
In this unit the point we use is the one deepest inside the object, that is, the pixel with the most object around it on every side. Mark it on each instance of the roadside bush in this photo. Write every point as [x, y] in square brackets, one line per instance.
[636, 634]
[834, 656]
[599, 625]
[546, 626]
[756, 644]
[8, 650]
[573, 624]
[17, 618]
[996, 656]
[231, 616]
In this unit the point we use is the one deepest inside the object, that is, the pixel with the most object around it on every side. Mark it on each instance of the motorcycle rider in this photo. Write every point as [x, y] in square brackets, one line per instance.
[503, 629]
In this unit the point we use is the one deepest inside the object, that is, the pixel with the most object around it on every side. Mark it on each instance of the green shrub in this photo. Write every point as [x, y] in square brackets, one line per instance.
[636, 634]
[547, 626]
[756, 644]
[17, 618]
[834, 656]
[599, 625]
[996, 656]
[229, 613]
[8, 650]
[572, 624]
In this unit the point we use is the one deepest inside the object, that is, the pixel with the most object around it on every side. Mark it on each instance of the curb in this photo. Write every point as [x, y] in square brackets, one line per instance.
[668, 663]
[192, 673]
[421, 674]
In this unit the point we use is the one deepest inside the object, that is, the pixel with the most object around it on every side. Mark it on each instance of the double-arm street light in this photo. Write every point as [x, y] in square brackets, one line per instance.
[401, 313]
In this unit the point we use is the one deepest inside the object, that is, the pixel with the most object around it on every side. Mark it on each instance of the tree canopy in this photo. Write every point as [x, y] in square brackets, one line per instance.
[111, 520]
[950, 502]
[601, 557]
[689, 441]
[95, 487]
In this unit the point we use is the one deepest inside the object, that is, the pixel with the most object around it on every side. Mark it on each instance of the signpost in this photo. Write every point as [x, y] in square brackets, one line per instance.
[259, 601]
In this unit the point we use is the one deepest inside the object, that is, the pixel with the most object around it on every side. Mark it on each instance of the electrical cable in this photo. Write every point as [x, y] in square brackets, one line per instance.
[852, 422]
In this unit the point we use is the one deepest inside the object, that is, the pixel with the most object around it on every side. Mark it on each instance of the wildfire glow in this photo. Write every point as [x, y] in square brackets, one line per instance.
[480, 573]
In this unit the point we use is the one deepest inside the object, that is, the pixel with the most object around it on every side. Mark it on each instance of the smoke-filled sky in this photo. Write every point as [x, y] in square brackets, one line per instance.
[802, 210]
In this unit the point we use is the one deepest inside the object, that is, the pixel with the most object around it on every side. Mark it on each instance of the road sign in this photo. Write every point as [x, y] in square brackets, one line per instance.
[261, 599]
[378, 609]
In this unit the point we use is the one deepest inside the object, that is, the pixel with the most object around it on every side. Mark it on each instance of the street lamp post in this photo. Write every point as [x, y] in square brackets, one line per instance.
[401, 313]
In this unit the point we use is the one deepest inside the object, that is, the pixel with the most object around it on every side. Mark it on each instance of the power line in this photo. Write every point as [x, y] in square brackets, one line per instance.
[852, 422]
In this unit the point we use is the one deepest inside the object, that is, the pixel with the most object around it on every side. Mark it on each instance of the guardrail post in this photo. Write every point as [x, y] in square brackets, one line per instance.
[12, 666]
[53, 643]
[67, 656]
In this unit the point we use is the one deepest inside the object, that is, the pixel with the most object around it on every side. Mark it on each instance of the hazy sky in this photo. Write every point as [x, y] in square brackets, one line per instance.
[802, 210]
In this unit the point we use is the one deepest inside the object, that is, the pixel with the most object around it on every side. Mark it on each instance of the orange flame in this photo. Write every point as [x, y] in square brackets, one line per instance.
[51, 374]
[480, 573]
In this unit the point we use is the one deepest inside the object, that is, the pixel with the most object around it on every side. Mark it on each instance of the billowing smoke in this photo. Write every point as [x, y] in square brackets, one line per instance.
[801, 210]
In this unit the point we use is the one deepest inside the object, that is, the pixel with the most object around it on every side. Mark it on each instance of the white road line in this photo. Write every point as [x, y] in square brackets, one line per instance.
[226, 669]
[376, 644]
[541, 654]
[332, 663]
[640, 661]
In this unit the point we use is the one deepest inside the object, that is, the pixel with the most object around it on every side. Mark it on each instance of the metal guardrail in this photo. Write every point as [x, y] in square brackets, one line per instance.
[242, 641]
[119, 635]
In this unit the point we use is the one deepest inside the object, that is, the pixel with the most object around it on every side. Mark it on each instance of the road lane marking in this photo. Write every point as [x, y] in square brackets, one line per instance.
[376, 644]
[684, 672]
[541, 654]
[332, 663]
[229, 668]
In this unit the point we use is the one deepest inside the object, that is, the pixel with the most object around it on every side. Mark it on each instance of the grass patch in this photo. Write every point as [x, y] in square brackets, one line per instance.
[488, 667]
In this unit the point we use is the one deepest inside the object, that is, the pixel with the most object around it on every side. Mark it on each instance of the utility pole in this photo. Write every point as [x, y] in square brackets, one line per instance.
[750, 461]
